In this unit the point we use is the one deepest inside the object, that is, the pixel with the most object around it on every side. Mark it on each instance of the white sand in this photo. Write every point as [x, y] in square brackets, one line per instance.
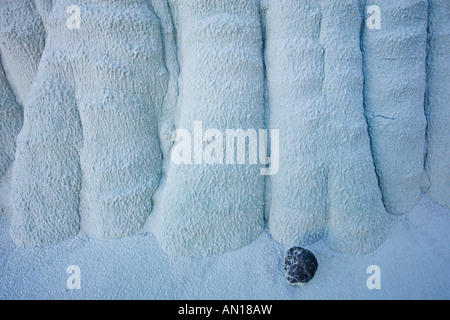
[414, 263]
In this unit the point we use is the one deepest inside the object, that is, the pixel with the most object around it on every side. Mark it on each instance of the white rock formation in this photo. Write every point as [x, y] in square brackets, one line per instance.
[10, 123]
[21, 44]
[44, 7]
[47, 174]
[437, 103]
[394, 95]
[96, 132]
[103, 99]
[212, 208]
[327, 183]
[120, 86]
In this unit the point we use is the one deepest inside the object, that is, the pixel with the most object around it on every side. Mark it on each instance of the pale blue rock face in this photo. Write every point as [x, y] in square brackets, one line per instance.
[88, 152]
[46, 175]
[10, 123]
[358, 110]
[212, 208]
[120, 86]
[327, 184]
[21, 44]
[437, 102]
[22, 36]
[394, 95]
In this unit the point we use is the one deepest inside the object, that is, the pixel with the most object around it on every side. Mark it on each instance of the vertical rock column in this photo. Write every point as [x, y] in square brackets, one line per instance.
[211, 208]
[326, 185]
[394, 70]
[120, 85]
[295, 75]
[21, 45]
[10, 123]
[22, 38]
[100, 83]
[437, 102]
[47, 176]
[44, 7]
[357, 222]
[166, 121]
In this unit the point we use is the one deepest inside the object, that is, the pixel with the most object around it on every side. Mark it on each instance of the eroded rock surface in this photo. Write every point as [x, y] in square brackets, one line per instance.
[102, 97]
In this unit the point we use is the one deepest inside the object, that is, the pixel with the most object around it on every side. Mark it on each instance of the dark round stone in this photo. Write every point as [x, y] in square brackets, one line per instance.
[300, 266]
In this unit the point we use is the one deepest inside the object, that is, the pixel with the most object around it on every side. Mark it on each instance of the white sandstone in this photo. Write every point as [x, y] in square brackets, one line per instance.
[327, 184]
[394, 95]
[437, 104]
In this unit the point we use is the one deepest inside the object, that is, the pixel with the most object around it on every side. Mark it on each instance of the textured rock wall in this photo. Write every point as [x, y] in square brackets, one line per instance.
[120, 87]
[21, 44]
[437, 103]
[88, 152]
[10, 123]
[212, 208]
[101, 103]
[47, 175]
[327, 183]
[394, 69]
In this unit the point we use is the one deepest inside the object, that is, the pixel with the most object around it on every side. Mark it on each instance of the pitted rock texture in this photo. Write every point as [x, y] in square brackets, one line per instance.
[212, 208]
[21, 44]
[327, 183]
[120, 87]
[437, 103]
[101, 104]
[395, 83]
[10, 123]
[88, 153]
[22, 40]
